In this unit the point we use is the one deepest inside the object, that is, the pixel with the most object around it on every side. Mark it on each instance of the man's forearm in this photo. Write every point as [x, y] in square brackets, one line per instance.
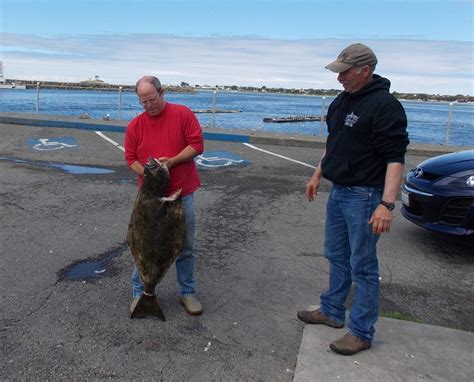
[393, 180]
[137, 167]
[317, 172]
[186, 155]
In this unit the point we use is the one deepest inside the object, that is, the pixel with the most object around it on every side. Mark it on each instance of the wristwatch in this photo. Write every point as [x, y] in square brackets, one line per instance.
[390, 206]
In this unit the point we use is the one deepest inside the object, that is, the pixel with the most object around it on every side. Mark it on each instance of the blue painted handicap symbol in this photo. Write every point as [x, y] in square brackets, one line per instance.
[216, 159]
[49, 144]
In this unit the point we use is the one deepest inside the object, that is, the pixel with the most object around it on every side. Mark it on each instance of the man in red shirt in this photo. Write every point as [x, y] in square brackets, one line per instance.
[171, 133]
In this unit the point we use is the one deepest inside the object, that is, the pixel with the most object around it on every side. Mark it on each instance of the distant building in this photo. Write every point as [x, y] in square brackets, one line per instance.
[94, 82]
[4, 84]
[2, 79]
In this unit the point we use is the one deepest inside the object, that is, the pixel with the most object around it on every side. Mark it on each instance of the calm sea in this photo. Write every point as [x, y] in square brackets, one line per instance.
[427, 121]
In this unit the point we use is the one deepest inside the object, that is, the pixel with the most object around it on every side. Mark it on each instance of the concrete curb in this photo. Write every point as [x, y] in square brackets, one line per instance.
[214, 134]
[401, 351]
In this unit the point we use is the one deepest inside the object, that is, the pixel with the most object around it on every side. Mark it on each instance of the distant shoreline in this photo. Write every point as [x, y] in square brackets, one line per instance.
[101, 85]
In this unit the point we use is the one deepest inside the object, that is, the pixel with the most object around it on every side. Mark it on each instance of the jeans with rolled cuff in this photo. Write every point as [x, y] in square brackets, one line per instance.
[350, 247]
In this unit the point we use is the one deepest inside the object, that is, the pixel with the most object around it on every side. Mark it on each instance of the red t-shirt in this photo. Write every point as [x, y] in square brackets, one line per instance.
[166, 135]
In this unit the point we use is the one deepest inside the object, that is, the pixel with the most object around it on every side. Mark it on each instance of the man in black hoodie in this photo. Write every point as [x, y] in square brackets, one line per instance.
[364, 160]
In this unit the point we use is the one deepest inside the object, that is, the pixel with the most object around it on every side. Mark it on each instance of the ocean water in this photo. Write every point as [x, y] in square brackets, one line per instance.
[427, 121]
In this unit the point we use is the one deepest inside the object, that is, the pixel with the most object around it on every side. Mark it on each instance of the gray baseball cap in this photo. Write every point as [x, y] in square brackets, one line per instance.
[354, 55]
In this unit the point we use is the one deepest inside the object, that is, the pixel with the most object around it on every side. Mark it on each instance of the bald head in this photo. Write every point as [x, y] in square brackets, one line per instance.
[146, 81]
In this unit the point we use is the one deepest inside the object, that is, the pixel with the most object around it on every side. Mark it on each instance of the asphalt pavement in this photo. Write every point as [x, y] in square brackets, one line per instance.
[65, 268]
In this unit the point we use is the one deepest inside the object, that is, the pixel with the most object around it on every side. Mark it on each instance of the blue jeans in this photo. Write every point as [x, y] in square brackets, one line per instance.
[185, 261]
[350, 247]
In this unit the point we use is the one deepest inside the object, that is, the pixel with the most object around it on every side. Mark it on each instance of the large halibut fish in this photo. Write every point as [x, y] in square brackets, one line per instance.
[156, 235]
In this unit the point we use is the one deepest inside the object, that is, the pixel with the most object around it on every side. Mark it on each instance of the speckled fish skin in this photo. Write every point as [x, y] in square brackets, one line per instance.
[156, 235]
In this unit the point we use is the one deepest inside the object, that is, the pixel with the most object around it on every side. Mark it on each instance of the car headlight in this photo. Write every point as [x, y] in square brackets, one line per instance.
[470, 181]
[462, 179]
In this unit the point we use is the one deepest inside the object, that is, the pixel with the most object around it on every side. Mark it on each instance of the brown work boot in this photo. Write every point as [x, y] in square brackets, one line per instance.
[191, 304]
[316, 317]
[349, 345]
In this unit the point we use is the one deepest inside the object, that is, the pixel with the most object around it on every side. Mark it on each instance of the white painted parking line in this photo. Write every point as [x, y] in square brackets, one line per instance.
[278, 155]
[102, 135]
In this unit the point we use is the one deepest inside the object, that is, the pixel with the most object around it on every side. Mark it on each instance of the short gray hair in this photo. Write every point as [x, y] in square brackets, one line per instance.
[371, 69]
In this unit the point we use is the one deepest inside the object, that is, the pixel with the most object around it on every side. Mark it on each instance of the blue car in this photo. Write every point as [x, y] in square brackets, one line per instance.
[439, 194]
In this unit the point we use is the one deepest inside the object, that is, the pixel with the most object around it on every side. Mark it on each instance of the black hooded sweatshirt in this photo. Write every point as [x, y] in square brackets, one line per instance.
[367, 129]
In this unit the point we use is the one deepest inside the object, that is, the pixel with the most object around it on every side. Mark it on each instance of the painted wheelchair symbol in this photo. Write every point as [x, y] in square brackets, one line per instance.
[220, 159]
[46, 145]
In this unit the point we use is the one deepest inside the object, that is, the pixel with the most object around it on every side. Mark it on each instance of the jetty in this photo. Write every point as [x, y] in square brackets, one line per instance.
[89, 84]
[294, 118]
[216, 111]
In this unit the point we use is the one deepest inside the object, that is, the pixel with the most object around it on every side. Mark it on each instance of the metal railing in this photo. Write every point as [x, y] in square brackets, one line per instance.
[213, 124]
[448, 127]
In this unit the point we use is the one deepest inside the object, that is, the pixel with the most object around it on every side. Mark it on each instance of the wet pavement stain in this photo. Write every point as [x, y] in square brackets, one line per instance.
[93, 267]
[68, 168]
[73, 169]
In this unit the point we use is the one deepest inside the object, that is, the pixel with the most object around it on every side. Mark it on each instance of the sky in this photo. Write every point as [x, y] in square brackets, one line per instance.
[423, 46]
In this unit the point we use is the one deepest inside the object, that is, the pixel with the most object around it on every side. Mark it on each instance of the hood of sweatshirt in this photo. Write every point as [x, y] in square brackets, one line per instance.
[377, 83]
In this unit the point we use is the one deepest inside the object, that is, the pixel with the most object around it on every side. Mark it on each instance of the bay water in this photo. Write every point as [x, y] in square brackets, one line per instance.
[427, 121]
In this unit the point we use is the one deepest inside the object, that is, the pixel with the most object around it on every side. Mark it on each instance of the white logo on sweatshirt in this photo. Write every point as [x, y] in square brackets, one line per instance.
[350, 120]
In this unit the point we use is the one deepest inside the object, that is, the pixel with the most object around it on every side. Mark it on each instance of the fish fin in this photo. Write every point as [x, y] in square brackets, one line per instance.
[172, 197]
[147, 306]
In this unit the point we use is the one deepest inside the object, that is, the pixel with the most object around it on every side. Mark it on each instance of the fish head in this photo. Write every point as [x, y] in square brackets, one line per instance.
[156, 178]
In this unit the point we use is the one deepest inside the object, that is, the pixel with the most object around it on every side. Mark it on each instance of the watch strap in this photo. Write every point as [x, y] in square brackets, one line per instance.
[390, 206]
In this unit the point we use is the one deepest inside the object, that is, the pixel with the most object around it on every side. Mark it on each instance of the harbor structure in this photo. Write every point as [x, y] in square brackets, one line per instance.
[4, 84]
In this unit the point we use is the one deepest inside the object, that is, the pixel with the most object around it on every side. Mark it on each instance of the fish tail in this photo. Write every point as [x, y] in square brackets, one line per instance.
[147, 305]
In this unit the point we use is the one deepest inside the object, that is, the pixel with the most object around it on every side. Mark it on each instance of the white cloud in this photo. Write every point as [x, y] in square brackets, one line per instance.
[412, 66]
